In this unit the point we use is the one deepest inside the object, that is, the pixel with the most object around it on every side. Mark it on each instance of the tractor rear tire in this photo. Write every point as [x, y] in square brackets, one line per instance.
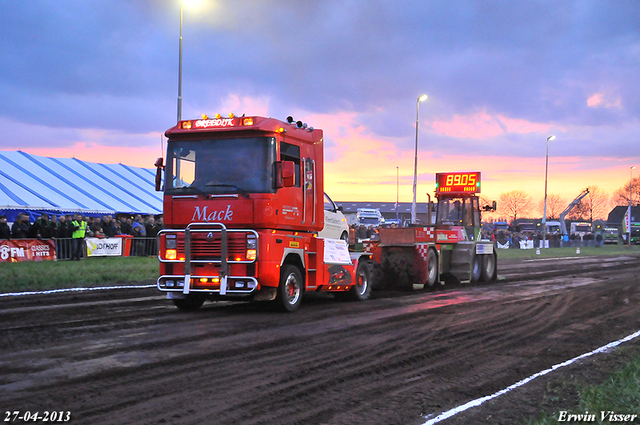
[476, 268]
[489, 265]
[432, 268]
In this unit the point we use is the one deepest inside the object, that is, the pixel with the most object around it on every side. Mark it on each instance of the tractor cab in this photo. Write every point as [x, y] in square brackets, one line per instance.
[454, 212]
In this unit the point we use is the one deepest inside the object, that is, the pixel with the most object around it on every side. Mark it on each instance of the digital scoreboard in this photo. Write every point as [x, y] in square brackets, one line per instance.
[458, 183]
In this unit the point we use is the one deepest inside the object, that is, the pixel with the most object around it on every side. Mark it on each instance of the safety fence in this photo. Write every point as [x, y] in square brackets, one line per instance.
[530, 244]
[64, 248]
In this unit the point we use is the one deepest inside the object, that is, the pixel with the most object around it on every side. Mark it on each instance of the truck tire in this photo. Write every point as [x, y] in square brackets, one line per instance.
[476, 268]
[489, 264]
[290, 288]
[362, 289]
[432, 268]
[192, 302]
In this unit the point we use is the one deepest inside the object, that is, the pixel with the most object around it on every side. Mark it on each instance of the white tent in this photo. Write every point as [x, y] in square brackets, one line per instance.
[36, 184]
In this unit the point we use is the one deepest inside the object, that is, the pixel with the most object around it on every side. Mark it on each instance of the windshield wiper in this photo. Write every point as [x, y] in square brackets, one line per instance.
[189, 188]
[238, 189]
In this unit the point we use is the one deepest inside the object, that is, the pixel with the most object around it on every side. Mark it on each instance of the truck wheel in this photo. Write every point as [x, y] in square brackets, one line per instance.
[489, 267]
[476, 268]
[192, 302]
[432, 268]
[362, 289]
[290, 288]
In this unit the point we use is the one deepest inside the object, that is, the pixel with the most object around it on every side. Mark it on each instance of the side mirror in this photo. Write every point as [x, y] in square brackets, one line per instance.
[495, 205]
[286, 172]
[159, 164]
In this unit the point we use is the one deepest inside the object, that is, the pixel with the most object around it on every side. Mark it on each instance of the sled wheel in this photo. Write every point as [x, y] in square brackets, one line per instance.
[362, 289]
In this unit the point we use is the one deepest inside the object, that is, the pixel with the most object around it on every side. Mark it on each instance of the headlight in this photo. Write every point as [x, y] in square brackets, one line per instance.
[170, 242]
[252, 247]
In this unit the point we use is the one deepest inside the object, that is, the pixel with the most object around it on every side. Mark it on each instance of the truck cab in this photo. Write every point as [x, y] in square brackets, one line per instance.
[246, 215]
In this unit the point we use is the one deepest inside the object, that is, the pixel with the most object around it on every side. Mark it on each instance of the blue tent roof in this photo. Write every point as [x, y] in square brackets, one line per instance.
[66, 185]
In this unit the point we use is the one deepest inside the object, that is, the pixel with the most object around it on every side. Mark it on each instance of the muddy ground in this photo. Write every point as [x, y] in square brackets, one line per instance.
[130, 357]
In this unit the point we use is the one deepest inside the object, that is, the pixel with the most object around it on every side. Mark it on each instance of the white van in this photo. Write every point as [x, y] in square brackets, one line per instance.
[335, 223]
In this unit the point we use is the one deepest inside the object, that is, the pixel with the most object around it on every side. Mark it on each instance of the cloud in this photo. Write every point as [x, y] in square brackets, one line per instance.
[597, 100]
[482, 125]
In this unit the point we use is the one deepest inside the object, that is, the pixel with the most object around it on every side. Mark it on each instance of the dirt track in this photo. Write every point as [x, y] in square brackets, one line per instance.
[129, 356]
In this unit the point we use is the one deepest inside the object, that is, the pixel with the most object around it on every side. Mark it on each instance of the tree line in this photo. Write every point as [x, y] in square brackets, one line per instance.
[596, 205]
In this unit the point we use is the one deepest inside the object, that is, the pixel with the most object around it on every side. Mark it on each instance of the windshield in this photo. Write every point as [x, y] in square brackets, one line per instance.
[458, 211]
[221, 166]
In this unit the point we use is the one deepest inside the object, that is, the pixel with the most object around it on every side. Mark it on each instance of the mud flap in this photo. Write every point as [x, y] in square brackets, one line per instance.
[266, 293]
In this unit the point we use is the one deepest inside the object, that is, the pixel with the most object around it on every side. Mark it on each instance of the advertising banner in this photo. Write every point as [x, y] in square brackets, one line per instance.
[104, 247]
[626, 222]
[27, 250]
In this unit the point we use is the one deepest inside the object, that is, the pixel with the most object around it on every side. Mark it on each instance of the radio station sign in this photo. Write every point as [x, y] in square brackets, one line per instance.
[15, 250]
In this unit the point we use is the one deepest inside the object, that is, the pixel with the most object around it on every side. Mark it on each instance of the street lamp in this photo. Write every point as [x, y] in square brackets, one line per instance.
[180, 67]
[415, 164]
[546, 172]
[397, 191]
[630, 195]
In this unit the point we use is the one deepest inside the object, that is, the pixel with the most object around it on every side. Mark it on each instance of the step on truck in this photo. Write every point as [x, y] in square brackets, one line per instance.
[243, 205]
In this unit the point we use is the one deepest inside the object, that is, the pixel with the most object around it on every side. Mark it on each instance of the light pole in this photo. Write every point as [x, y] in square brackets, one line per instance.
[546, 172]
[180, 67]
[397, 190]
[630, 196]
[415, 163]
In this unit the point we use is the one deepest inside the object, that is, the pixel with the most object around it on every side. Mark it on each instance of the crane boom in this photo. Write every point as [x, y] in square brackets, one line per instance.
[563, 214]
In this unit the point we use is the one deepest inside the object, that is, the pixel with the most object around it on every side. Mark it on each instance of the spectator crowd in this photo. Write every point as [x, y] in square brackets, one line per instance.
[70, 231]
[63, 226]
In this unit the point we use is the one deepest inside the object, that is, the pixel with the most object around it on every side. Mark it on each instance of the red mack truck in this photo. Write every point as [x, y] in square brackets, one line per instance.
[243, 207]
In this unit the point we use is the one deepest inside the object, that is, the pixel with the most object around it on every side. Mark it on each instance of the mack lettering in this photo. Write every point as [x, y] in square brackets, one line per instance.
[203, 215]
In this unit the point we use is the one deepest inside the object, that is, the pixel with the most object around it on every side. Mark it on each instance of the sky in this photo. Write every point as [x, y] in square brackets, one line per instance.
[98, 80]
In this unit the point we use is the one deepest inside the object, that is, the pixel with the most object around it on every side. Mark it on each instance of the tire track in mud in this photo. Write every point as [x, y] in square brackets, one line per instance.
[381, 362]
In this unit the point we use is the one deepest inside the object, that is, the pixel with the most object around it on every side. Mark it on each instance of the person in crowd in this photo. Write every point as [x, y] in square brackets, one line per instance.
[118, 226]
[126, 227]
[42, 227]
[136, 222]
[62, 232]
[5, 230]
[96, 228]
[53, 223]
[148, 226]
[62, 228]
[138, 233]
[79, 227]
[21, 227]
[108, 226]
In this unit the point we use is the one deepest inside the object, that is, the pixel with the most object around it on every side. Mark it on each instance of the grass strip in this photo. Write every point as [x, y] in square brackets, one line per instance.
[619, 395]
[567, 252]
[95, 271]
